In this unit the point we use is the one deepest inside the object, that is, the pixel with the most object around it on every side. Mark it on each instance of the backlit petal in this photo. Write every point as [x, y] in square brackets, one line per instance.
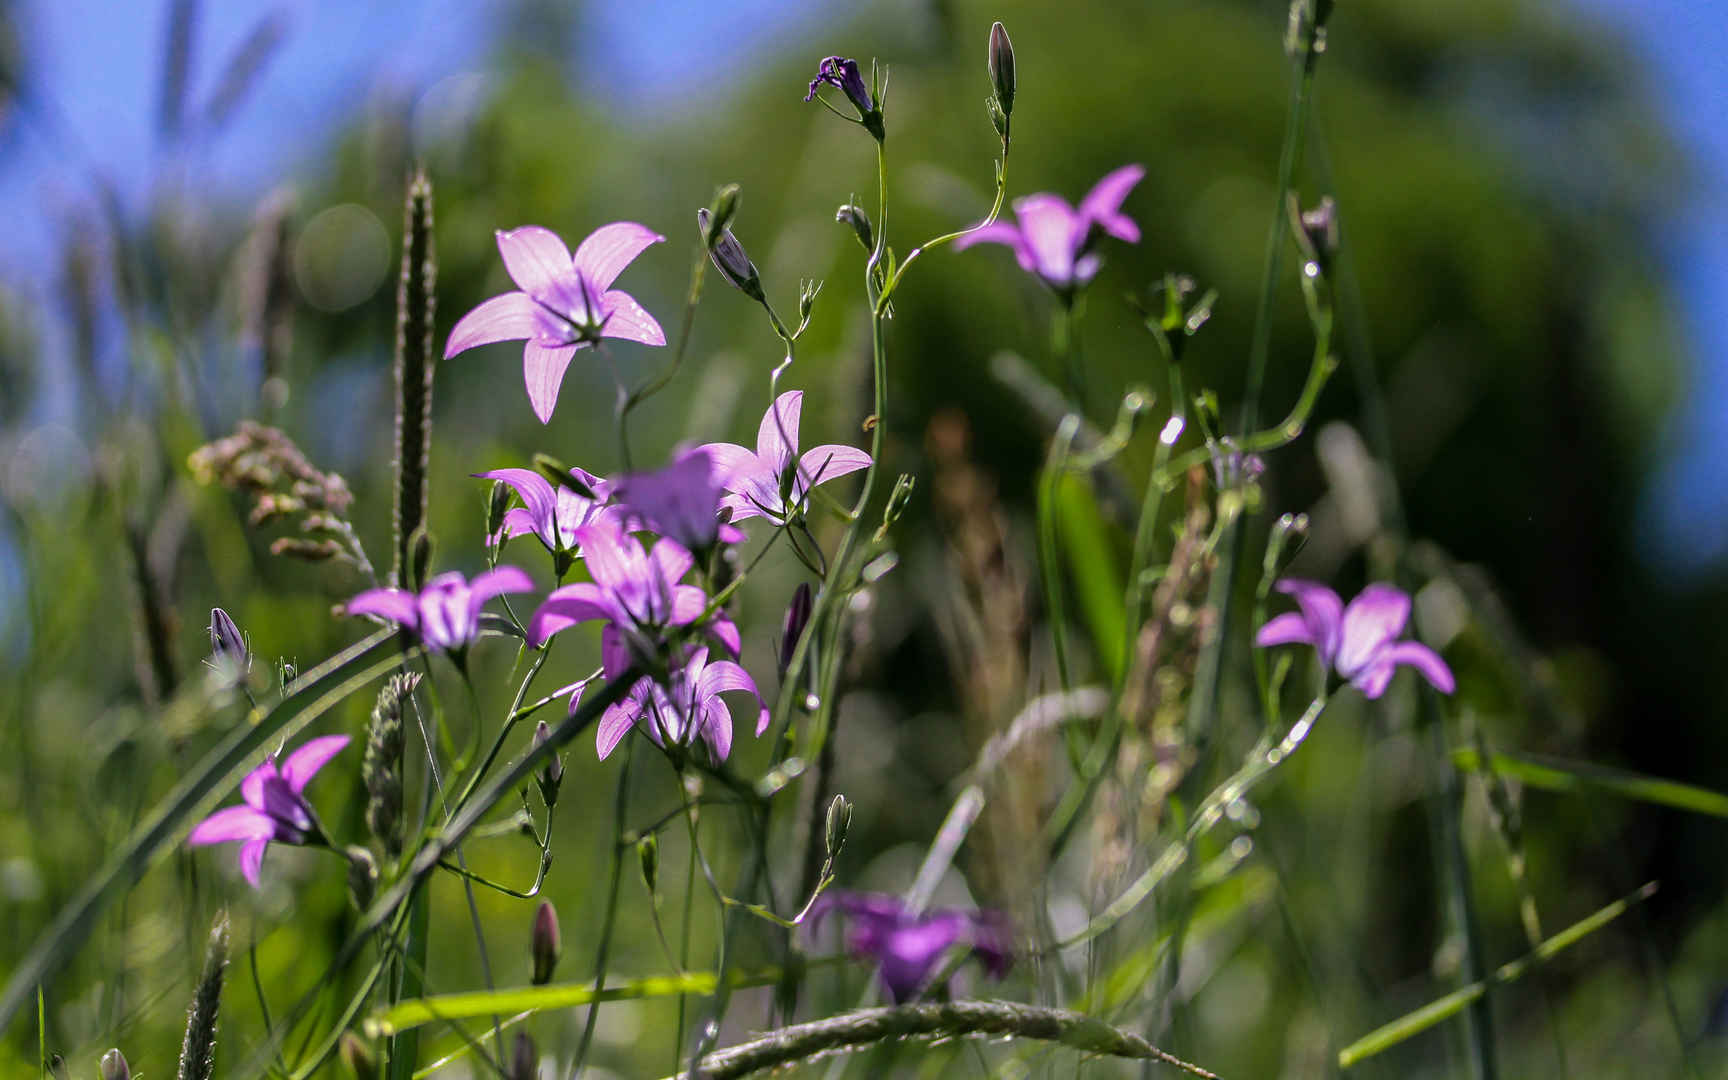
[543, 371]
[565, 608]
[1323, 610]
[1052, 232]
[534, 258]
[252, 859]
[397, 605]
[777, 435]
[1103, 204]
[502, 579]
[232, 823]
[610, 248]
[1372, 621]
[507, 317]
[302, 764]
[1289, 628]
[1424, 660]
[627, 319]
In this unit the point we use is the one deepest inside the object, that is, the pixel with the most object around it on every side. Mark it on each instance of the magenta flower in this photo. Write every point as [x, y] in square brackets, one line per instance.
[910, 947]
[1055, 241]
[446, 613]
[636, 593]
[682, 501]
[683, 709]
[551, 512]
[274, 807]
[1359, 642]
[564, 303]
[764, 483]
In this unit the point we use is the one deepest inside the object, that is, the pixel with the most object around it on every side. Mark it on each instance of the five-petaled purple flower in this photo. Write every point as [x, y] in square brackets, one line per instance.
[550, 511]
[765, 483]
[682, 501]
[274, 807]
[635, 592]
[446, 613]
[1055, 241]
[909, 947]
[683, 709]
[1360, 641]
[564, 303]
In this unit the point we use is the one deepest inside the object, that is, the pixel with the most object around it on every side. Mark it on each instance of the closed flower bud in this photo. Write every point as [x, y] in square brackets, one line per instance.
[1002, 67]
[496, 505]
[550, 777]
[227, 644]
[792, 628]
[358, 1057]
[546, 944]
[839, 816]
[729, 257]
[898, 499]
[648, 856]
[721, 213]
[524, 1059]
[1320, 228]
[853, 215]
[114, 1066]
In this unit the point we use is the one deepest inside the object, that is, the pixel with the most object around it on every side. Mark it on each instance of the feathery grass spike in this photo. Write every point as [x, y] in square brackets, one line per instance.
[198, 1052]
[415, 308]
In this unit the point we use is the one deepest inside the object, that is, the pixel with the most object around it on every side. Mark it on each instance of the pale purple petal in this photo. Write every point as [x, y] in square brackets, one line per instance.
[722, 676]
[1372, 621]
[502, 579]
[1289, 628]
[729, 459]
[610, 248]
[534, 490]
[615, 723]
[566, 607]
[543, 370]
[777, 435]
[1424, 660]
[627, 319]
[304, 763]
[253, 783]
[232, 823]
[997, 232]
[688, 604]
[725, 631]
[829, 462]
[1323, 610]
[252, 859]
[397, 605]
[671, 560]
[1052, 231]
[614, 559]
[614, 653]
[509, 316]
[517, 521]
[717, 729]
[1102, 205]
[535, 258]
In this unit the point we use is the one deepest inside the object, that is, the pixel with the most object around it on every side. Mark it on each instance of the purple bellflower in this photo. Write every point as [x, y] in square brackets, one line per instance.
[1055, 241]
[551, 512]
[764, 483]
[563, 303]
[838, 71]
[636, 593]
[446, 613]
[910, 947]
[684, 708]
[681, 501]
[275, 808]
[1359, 642]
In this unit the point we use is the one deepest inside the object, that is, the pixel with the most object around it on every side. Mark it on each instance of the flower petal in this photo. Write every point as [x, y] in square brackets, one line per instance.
[830, 462]
[997, 232]
[397, 605]
[725, 631]
[566, 607]
[716, 729]
[232, 823]
[1103, 204]
[1052, 232]
[1372, 621]
[252, 859]
[777, 435]
[723, 676]
[507, 317]
[1424, 660]
[303, 763]
[615, 723]
[627, 319]
[688, 604]
[543, 372]
[671, 560]
[535, 258]
[534, 490]
[252, 785]
[501, 579]
[1323, 610]
[1289, 628]
[610, 248]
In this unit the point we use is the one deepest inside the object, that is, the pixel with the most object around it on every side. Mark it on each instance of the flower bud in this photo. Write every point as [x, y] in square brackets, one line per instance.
[358, 1057]
[421, 549]
[729, 257]
[524, 1060]
[496, 505]
[853, 215]
[546, 944]
[721, 213]
[792, 628]
[1320, 227]
[808, 291]
[1002, 67]
[227, 645]
[897, 502]
[552, 775]
[114, 1066]
[839, 816]
[648, 857]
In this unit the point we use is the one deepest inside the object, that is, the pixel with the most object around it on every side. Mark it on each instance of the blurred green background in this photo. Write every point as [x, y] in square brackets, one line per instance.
[1513, 366]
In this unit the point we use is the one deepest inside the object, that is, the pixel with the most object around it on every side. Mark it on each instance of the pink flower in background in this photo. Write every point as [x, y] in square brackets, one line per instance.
[551, 512]
[764, 483]
[564, 303]
[446, 613]
[1055, 241]
[910, 947]
[1359, 642]
[274, 807]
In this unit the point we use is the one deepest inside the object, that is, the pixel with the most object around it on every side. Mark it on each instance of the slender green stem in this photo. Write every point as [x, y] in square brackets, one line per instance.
[608, 919]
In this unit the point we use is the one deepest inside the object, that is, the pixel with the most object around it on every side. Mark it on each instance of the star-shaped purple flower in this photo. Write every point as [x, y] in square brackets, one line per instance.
[635, 592]
[564, 303]
[764, 483]
[1055, 241]
[1359, 642]
[274, 807]
[680, 711]
[909, 947]
[551, 512]
[681, 501]
[446, 613]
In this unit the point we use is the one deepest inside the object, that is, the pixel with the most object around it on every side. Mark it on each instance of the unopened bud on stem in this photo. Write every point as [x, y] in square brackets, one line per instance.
[853, 215]
[729, 257]
[550, 777]
[546, 943]
[1002, 67]
[114, 1066]
[792, 628]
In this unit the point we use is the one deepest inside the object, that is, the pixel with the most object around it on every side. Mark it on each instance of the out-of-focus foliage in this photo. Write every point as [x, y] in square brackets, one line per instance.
[1509, 367]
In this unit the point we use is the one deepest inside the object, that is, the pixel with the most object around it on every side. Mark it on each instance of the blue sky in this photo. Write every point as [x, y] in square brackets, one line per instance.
[96, 65]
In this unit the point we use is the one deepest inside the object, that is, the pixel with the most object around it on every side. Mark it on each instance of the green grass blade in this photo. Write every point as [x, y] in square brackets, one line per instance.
[212, 780]
[1578, 777]
[1411, 1023]
[1092, 560]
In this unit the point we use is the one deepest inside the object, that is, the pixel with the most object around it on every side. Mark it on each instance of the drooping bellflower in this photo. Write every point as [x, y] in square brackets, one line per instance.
[275, 808]
[563, 303]
[843, 73]
[1359, 642]
[446, 613]
[908, 946]
[1056, 241]
[765, 483]
[684, 708]
[551, 512]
